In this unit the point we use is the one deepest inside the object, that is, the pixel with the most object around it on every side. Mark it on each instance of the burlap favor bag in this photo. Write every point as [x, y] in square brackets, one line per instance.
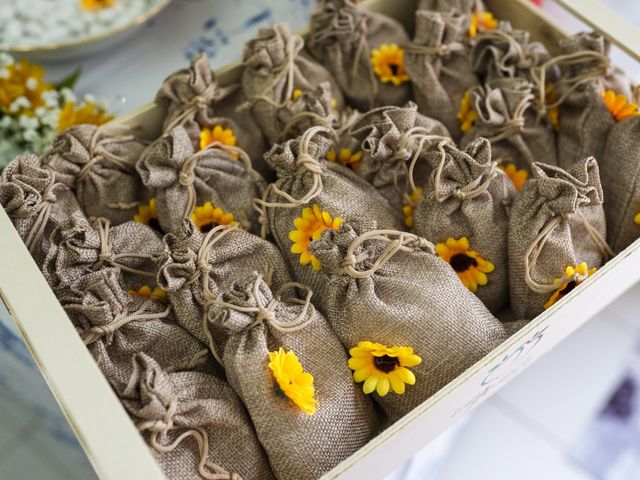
[98, 164]
[194, 423]
[507, 116]
[362, 50]
[183, 181]
[402, 312]
[438, 64]
[465, 204]
[195, 268]
[275, 68]
[259, 335]
[462, 6]
[389, 138]
[209, 112]
[557, 235]
[312, 194]
[35, 201]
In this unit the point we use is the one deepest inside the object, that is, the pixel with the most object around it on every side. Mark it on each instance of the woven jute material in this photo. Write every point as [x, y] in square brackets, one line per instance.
[620, 174]
[194, 423]
[390, 287]
[275, 66]
[462, 6]
[79, 247]
[469, 196]
[389, 138]
[342, 37]
[35, 201]
[508, 117]
[116, 325]
[557, 221]
[195, 268]
[98, 164]
[305, 179]
[182, 179]
[249, 321]
[194, 98]
[439, 65]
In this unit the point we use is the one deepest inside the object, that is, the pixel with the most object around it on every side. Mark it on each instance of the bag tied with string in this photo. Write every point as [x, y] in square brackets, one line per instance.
[346, 39]
[462, 6]
[390, 290]
[275, 69]
[195, 268]
[194, 98]
[389, 137]
[557, 222]
[437, 62]
[468, 196]
[116, 324]
[251, 325]
[311, 194]
[36, 202]
[183, 181]
[98, 164]
[194, 423]
[508, 117]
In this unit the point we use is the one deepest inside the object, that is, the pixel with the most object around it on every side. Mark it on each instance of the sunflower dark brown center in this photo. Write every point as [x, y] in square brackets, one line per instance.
[386, 363]
[570, 286]
[395, 68]
[207, 227]
[461, 262]
[155, 224]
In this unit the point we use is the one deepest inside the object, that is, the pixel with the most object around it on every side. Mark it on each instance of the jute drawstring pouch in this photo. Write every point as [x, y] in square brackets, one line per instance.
[291, 372]
[462, 6]
[35, 201]
[209, 112]
[79, 247]
[184, 181]
[402, 312]
[389, 137]
[312, 194]
[362, 50]
[194, 423]
[116, 324]
[98, 164]
[505, 111]
[195, 268]
[438, 64]
[557, 235]
[465, 204]
[275, 67]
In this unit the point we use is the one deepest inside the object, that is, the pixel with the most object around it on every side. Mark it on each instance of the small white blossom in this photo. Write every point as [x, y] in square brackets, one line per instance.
[31, 83]
[18, 104]
[4, 73]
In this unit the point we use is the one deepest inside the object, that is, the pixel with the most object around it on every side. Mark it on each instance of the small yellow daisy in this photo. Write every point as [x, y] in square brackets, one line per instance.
[207, 216]
[309, 227]
[388, 63]
[346, 158]
[292, 381]
[468, 264]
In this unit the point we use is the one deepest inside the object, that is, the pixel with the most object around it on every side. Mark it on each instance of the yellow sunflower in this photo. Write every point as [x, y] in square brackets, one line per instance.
[482, 21]
[97, 4]
[145, 291]
[309, 227]
[292, 381]
[570, 273]
[518, 177]
[388, 63]
[148, 215]
[619, 106]
[382, 368]
[410, 203]
[468, 264]
[553, 113]
[23, 79]
[467, 115]
[207, 216]
[637, 219]
[90, 113]
[346, 158]
[217, 134]
[297, 93]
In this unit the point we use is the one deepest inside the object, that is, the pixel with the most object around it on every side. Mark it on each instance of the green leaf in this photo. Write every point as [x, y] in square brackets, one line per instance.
[69, 81]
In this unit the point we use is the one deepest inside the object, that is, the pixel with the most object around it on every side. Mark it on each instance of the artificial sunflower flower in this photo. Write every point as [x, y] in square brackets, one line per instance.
[97, 4]
[637, 219]
[619, 106]
[23, 80]
[571, 273]
[292, 381]
[145, 291]
[91, 113]
[148, 215]
[468, 264]
[309, 227]
[382, 368]
[388, 63]
[553, 113]
[217, 134]
[410, 203]
[518, 177]
[467, 115]
[346, 157]
[207, 216]
[297, 93]
[481, 21]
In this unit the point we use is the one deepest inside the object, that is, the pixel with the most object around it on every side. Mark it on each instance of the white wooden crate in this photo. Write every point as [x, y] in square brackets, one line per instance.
[109, 438]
